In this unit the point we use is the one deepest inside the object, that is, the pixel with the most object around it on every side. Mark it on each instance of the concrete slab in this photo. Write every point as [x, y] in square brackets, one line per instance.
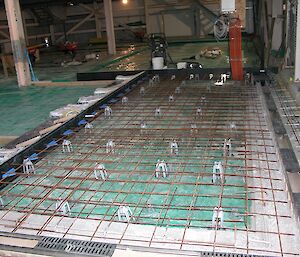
[113, 230]
[197, 247]
[35, 221]
[171, 234]
[166, 245]
[139, 232]
[6, 228]
[77, 237]
[225, 238]
[59, 224]
[52, 234]
[26, 243]
[27, 231]
[131, 253]
[106, 240]
[294, 179]
[83, 227]
[197, 235]
[13, 216]
[135, 243]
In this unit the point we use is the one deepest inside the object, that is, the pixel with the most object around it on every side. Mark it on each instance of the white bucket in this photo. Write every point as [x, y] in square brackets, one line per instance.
[158, 63]
[181, 65]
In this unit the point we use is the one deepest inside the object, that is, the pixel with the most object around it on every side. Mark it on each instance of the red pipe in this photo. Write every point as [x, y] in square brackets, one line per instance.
[235, 47]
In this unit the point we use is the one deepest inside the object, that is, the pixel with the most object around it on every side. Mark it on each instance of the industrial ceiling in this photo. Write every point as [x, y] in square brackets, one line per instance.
[26, 3]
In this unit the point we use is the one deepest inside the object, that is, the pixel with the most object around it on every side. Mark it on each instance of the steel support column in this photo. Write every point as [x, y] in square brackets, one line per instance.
[147, 18]
[110, 31]
[97, 20]
[17, 37]
[52, 33]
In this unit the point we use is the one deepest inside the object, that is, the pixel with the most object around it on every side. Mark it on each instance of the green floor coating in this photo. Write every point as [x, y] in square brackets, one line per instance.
[149, 208]
[24, 109]
[179, 52]
[185, 199]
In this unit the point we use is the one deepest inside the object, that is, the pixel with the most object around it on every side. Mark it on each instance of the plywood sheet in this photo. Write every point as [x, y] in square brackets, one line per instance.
[27, 243]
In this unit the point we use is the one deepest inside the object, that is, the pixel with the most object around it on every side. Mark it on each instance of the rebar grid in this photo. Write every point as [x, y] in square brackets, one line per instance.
[184, 200]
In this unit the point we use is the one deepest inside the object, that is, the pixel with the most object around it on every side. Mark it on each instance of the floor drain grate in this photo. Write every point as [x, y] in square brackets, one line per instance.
[76, 246]
[210, 254]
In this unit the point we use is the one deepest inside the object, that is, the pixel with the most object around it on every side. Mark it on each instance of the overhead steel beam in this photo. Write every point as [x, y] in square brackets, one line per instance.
[147, 20]
[209, 13]
[97, 19]
[76, 26]
[28, 3]
[4, 34]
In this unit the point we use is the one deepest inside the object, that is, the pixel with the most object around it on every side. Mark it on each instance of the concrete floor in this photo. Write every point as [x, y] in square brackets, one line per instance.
[271, 229]
[268, 226]
[38, 102]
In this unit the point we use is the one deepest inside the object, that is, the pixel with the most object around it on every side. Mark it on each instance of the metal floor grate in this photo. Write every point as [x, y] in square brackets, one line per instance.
[76, 246]
[211, 254]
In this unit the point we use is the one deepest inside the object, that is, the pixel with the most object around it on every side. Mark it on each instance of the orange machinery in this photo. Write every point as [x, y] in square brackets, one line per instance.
[235, 47]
